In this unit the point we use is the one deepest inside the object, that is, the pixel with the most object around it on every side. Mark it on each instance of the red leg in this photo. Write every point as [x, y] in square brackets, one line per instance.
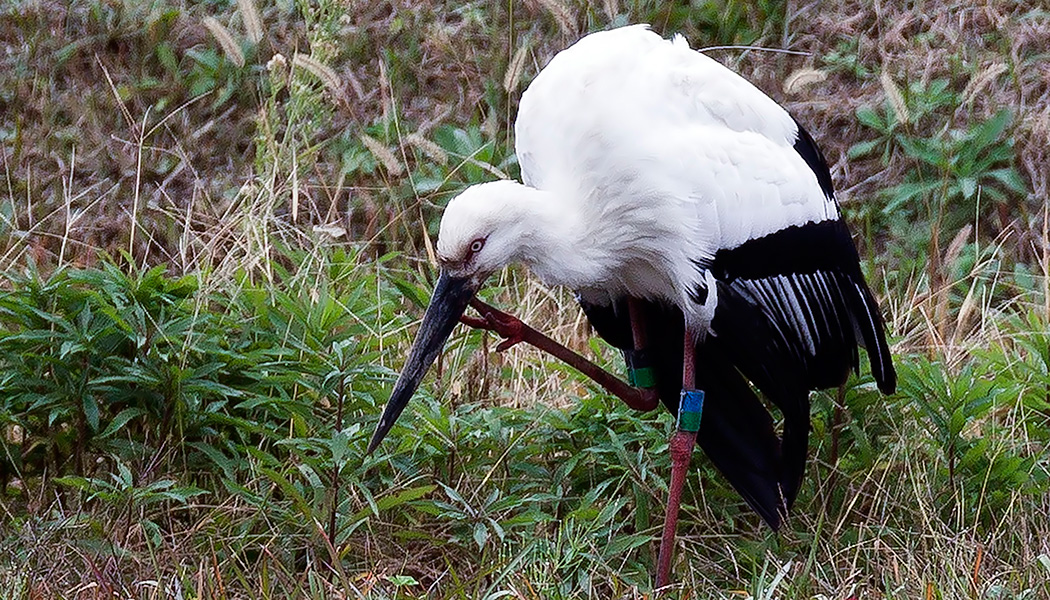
[689, 362]
[515, 331]
[681, 448]
[637, 325]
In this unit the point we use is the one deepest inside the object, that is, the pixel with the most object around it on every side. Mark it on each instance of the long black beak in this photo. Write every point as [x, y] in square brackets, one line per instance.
[451, 295]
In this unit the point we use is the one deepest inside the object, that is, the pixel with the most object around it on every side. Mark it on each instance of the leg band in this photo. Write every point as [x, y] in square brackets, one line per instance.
[639, 369]
[689, 410]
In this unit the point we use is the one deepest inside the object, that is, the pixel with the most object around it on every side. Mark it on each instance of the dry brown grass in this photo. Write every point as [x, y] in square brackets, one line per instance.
[429, 63]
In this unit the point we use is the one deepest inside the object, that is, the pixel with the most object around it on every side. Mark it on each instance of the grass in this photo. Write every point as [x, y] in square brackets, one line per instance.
[214, 227]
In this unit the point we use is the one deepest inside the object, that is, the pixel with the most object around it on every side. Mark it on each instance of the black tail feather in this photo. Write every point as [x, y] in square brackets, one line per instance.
[736, 433]
[795, 448]
[736, 430]
[874, 338]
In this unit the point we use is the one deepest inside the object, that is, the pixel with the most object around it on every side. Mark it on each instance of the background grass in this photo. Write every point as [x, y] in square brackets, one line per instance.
[215, 222]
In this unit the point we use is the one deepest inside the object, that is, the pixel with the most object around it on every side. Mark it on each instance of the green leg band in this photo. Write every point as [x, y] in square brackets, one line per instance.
[639, 369]
[641, 377]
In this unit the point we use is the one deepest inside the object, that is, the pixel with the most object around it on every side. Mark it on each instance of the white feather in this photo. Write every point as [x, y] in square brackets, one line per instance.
[674, 125]
[650, 157]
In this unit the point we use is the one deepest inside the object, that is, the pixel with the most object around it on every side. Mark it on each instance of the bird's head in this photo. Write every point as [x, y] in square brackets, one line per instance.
[481, 232]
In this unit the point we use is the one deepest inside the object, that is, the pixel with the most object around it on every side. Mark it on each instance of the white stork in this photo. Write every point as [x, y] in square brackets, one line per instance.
[675, 197]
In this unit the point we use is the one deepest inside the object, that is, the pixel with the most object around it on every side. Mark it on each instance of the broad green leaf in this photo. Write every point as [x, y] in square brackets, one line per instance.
[481, 535]
[867, 116]
[1010, 178]
[863, 148]
[90, 407]
[121, 420]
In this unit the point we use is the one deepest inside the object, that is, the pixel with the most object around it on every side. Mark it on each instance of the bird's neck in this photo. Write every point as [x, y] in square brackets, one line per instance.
[551, 238]
[565, 245]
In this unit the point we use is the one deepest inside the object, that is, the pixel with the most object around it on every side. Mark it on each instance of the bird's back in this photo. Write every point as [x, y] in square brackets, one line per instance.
[636, 129]
[631, 85]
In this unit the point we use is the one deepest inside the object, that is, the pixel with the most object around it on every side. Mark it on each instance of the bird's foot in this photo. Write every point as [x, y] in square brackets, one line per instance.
[505, 325]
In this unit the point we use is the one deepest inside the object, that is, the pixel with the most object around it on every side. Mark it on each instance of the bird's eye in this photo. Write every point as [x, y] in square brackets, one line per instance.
[476, 245]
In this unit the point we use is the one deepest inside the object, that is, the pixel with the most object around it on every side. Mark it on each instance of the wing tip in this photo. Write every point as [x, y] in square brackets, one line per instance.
[873, 336]
[886, 375]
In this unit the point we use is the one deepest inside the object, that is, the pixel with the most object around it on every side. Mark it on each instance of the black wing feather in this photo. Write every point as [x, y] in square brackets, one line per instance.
[815, 267]
[792, 309]
[809, 151]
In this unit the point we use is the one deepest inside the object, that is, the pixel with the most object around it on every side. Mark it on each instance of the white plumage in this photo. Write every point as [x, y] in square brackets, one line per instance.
[629, 101]
[658, 179]
[653, 156]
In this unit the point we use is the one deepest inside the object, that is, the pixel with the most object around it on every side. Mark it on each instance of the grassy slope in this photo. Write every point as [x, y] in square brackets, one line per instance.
[131, 131]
